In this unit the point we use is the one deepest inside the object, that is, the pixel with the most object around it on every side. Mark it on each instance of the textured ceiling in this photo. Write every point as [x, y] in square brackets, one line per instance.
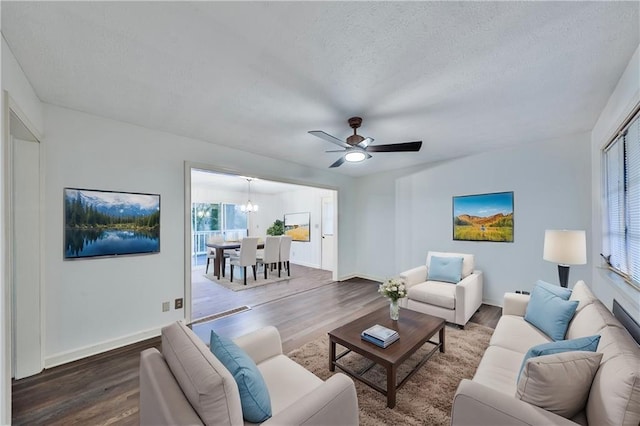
[464, 77]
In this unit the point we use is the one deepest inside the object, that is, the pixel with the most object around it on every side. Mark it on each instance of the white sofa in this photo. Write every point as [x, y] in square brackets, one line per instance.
[614, 395]
[456, 303]
[187, 385]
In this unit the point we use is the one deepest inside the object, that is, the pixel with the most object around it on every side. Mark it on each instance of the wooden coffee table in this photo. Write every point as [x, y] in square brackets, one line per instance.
[415, 330]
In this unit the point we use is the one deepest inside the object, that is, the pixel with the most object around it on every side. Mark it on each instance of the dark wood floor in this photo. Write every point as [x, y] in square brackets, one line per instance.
[209, 298]
[103, 389]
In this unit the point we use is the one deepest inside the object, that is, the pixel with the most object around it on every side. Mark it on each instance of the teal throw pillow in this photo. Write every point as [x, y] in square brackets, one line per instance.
[447, 269]
[254, 396]
[561, 292]
[589, 344]
[549, 313]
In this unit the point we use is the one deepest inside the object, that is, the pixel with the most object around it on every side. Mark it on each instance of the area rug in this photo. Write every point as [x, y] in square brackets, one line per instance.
[238, 280]
[426, 398]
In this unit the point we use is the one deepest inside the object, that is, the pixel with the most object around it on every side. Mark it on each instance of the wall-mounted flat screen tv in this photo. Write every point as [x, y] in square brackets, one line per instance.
[110, 223]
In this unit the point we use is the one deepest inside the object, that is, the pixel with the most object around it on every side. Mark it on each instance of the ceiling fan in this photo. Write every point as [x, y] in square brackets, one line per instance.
[357, 148]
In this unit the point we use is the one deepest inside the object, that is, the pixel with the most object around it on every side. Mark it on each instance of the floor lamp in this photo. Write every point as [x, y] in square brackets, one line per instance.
[565, 248]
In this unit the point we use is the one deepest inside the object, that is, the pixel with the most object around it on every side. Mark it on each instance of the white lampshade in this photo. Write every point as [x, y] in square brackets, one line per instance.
[565, 247]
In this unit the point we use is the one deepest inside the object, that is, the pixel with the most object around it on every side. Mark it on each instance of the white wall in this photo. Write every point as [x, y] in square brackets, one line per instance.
[406, 214]
[300, 201]
[92, 305]
[624, 98]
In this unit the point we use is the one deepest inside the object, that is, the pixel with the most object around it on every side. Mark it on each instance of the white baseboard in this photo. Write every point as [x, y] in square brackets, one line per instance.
[308, 265]
[372, 278]
[492, 302]
[76, 354]
[364, 277]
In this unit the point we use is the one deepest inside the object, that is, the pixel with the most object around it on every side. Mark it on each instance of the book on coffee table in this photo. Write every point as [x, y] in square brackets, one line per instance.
[380, 335]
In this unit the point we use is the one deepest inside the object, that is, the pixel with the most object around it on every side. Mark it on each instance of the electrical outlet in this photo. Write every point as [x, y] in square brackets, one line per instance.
[178, 304]
[166, 306]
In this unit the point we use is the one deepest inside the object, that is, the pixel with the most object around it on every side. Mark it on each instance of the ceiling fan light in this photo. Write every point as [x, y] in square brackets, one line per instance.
[355, 156]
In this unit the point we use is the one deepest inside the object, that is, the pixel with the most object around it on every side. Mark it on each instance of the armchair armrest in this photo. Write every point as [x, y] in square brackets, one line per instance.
[478, 405]
[414, 276]
[515, 304]
[468, 296]
[333, 403]
[261, 344]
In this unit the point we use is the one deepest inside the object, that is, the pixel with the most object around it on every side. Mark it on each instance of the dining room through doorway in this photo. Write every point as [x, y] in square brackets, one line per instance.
[218, 209]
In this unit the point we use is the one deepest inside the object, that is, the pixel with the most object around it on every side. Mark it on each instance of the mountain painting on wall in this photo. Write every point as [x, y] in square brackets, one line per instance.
[109, 223]
[483, 217]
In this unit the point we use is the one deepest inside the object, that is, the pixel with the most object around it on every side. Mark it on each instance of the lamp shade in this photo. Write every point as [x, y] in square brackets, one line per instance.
[565, 247]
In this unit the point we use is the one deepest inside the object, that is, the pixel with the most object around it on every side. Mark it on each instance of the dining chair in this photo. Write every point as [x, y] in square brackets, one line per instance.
[270, 254]
[285, 250]
[246, 257]
[211, 253]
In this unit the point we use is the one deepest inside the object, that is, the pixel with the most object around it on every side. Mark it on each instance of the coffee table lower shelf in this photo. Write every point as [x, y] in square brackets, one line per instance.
[415, 329]
[391, 373]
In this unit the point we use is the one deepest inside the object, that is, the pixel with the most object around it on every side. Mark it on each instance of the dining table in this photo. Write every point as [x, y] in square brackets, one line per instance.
[220, 247]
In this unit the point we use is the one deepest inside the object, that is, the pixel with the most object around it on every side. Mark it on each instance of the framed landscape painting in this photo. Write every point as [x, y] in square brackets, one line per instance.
[483, 217]
[298, 226]
[109, 223]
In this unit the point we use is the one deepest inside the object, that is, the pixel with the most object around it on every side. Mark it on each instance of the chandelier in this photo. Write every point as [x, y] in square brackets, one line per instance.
[249, 207]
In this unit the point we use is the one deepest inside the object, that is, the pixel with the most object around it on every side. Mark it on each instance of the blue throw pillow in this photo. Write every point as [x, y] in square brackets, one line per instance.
[589, 343]
[561, 292]
[447, 269]
[549, 313]
[254, 396]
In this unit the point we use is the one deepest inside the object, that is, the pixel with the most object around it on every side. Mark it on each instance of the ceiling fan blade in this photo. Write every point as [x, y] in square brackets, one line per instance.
[338, 162]
[336, 150]
[365, 143]
[327, 137]
[396, 147]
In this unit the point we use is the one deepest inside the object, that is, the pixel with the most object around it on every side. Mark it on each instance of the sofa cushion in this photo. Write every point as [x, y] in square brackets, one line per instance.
[434, 293]
[614, 398]
[285, 389]
[550, 313]
[559, 382]
[207, 384]
[467, 261]
[254, 395]
[514, 333]
[615, 341]
[589, 344]
[590, 320]
[498, 369]
[447, 269]
[582, 294]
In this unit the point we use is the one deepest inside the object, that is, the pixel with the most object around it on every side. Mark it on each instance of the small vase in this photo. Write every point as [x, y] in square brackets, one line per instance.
[394, 310]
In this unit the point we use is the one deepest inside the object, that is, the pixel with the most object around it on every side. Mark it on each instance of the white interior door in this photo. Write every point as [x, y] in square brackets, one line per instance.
[25, 235]
[328, 234]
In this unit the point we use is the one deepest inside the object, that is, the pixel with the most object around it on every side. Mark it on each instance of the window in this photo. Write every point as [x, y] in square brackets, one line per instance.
[622, 202]
[218, 217]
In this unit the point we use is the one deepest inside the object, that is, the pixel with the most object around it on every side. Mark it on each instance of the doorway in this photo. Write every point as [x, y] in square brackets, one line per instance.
[328, 226]
[211, 194]
[25, 245]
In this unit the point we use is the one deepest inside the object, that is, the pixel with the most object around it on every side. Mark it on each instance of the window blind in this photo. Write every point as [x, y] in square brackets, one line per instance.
[622, 201]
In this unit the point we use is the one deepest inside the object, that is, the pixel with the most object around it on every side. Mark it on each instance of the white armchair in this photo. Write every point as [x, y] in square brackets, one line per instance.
[186, 384]
[456, 303]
